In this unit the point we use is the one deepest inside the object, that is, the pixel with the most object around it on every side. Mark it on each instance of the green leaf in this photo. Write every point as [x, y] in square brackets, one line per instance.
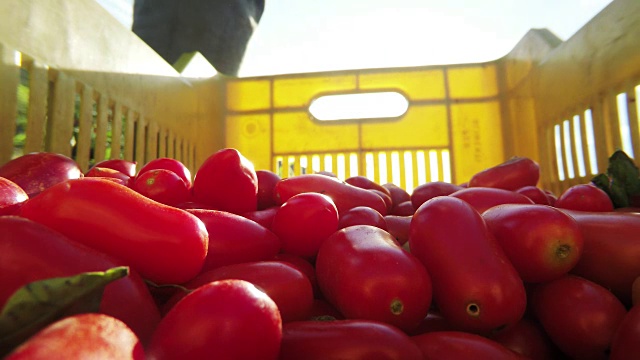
[624, 172]
[38, 304]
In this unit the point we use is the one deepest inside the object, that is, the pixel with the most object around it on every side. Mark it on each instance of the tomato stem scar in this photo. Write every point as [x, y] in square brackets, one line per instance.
[563, 251]
[473, 309]
[397, 307]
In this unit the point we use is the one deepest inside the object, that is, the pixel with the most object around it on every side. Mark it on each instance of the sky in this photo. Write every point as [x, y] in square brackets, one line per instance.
[297, 36]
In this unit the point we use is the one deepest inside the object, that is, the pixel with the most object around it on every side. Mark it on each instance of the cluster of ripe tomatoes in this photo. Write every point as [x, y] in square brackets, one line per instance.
[239, 263]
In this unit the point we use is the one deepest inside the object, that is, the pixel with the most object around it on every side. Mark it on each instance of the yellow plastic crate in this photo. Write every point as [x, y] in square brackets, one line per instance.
[92, 90]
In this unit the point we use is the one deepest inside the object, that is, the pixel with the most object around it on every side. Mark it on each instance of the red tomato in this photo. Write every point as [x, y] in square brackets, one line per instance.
[228, 181]
[625, 344]
[398, 227]
[635, 291]
[403, 209]
[170, 164]
[287, 286]
[528, 338]
[303, 265]
[164, 244]
[456, 345]
[304, 221]
[534, 193]
[163, 186]
[362, 215]
[579, 315]
[11, 197]
[385, 197]
[266, 183]
[483, 198]
[474, 285]
[227, 319]
[109, 173]
[430, 190]
[84, 336]
[235, 239]
[345, 339]
[384, 282]
[35, 172]
[124, 166]
[398, 194]
[30, 251]
[344, 195]
[509, 175]
[551, 197]
[366, 183]
[584, 197]
[611, 255]
[263, 217]
[542, 242]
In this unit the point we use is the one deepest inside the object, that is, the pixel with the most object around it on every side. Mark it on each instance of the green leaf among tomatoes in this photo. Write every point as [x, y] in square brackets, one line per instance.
[621, 181]
[42, 302]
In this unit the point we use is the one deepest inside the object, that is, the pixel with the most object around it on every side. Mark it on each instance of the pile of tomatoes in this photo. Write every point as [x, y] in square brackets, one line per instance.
[238, 263]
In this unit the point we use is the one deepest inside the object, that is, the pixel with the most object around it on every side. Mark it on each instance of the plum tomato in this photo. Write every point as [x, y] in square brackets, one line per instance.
[266, 183]
[474, 285]
[346, 339]
[227, 181]
[11, 197]
[584, 197]
[37, 171]
[542, 242]
[82, 336]
[362, 215]
[226, 319]
[170, 164]
[163, 186]
[304, 221]
[384, 283]
[509, 175]
[580, 316]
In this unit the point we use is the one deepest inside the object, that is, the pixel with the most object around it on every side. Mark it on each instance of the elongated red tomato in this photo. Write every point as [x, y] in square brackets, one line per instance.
[345, 339]
[169, 164]
[37, 171]
[474, 285]
[455, 345]
[30, 251]
[509, 175]
[584, 197]
[164, 244]
[11, 197]
[235, 239]
[287, 286]
[611, 255]
[84, 336]
[303, 222]
[227, 181]
[124, 166]
[362, 215]
[625, 344]
[542, 242]
[384, 282]
[484, 198]
[430, 190]
[227, 319]
[579, 315]
[398, 194]
[398, 226]
[344, 195]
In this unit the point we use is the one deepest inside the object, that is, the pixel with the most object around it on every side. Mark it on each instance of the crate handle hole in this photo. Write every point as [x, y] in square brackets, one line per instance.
[370, 105]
